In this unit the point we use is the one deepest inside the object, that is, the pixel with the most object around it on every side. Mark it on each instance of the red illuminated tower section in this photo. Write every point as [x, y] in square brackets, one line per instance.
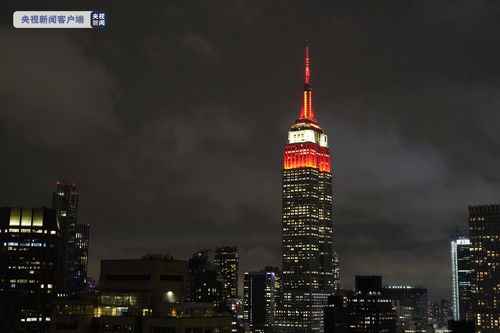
[307, 144]
[307, 244]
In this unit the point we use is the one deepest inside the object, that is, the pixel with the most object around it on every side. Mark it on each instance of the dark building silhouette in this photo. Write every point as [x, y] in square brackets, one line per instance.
[81, 258]
[203, 285]
[28, 241]
[411, 307]
[368, 283]
[336, 314]
[307, 238]
[461, 326]
[484, 231]
[73, 243]
[226, 263]
[461, 278]
[364, 311]
[260, 295]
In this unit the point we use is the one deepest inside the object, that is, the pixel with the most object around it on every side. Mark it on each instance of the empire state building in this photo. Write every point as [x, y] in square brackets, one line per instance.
[307, 243]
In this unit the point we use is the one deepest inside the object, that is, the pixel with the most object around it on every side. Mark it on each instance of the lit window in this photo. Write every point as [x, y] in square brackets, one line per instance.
[26, 217]
[15, 216]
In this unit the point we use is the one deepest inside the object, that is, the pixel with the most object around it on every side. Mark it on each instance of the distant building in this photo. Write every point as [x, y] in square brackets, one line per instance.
[461, 278]
[278, 289]
[260, 295]
[364, 311]
[73, 243]
[439, 313]
[81, 257]
[411, 307]
[28, 241]
[226, 264]
[140, 296]
[203, 285]
[336, 271]
[92, 286]
[484, 231]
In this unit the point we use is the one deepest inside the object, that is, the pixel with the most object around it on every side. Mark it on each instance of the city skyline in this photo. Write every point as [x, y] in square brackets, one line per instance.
[193, 114]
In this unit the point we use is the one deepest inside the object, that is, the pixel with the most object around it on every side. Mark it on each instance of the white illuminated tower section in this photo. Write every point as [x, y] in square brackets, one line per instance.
[461, 278]
[307, 244]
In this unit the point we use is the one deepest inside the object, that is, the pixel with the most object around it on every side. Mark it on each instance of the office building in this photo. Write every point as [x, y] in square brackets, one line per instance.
[336, 314]
[461, 275]
[73, 243]
[81, 257]
[226, 264]
[203, 285]
[28, 241]
[369, 310]
[336, 271]
[439, 313]
[411, 307]
[278, 290]
[260, 295]
[307, 235]
[365, 310]
[141, 296]
[155, 280]
[484, 232]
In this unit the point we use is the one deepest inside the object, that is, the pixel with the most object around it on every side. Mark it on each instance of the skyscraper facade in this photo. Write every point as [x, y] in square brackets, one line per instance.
[28, 245]
[410, 304]
[439, 313]
[226, 263]
[336, 271]
[484, 232]
[81, 258]
[261, 292]
[307, 236]
[461, 278]
[73, 243]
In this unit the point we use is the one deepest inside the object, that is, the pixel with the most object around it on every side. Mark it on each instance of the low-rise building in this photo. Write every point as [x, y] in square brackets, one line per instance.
[140, 296]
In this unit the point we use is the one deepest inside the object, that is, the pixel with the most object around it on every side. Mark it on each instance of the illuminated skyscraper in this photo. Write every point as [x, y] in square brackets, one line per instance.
[307, 243]
[226, 264]
[73, 243]
[461, 278]
[484, 231]
[28, 245]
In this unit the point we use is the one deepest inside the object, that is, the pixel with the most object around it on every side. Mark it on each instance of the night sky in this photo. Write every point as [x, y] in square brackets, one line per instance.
[173, 121]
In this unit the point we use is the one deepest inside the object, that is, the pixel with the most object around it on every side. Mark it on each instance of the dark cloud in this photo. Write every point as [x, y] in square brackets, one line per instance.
[174, 128]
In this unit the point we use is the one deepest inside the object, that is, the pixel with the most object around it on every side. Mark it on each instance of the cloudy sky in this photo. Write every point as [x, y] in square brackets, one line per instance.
[173, 121]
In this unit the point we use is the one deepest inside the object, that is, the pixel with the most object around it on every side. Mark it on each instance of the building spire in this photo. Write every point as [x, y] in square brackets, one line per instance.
[307, 71]
[307, 109]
